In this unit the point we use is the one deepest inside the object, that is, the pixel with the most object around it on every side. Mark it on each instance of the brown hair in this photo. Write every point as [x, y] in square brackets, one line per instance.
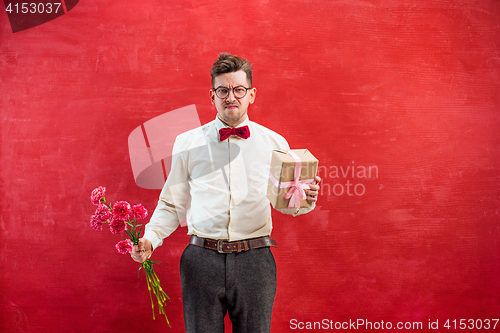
[228, 63]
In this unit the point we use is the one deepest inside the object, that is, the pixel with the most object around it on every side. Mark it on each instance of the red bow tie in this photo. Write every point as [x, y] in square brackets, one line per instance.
[243, 132]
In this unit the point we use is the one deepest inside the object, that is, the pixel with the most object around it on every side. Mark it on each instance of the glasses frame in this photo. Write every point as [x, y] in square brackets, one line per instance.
[228, 91]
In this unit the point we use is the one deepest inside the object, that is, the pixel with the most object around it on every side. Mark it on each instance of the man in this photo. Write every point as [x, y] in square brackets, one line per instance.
[218, 181]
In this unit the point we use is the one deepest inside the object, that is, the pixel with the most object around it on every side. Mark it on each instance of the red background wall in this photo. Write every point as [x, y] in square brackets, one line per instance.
[408, 87]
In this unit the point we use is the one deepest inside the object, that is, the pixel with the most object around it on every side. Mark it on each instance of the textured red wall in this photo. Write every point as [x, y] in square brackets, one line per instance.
[408, 90]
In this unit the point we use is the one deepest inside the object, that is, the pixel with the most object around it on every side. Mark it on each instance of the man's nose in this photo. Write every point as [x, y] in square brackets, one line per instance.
[230, 95]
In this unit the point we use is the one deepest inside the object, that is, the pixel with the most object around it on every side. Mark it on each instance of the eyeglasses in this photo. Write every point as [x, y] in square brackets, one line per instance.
[238, 92]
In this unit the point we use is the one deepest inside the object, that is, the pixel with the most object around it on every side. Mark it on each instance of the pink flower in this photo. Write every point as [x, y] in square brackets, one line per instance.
[97, 195]
[124, 246]
[138, 212]
[102, 213]
[117, 226]
[96, 223]
[121, 210]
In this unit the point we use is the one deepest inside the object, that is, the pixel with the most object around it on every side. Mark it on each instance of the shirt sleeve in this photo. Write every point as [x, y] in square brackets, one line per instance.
[171, 208]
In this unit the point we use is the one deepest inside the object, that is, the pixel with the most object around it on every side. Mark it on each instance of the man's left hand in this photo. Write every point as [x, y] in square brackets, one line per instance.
[313, 192]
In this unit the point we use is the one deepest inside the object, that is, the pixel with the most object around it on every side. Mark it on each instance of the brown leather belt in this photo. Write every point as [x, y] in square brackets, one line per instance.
[223, 246]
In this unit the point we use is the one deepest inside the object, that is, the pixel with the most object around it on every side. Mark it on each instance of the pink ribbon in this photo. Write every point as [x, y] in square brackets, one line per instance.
[297, 186]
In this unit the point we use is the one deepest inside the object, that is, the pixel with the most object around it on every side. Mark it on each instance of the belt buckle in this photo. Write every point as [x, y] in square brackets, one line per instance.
[219, 246]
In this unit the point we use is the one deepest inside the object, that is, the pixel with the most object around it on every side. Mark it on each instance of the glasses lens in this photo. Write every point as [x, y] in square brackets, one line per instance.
[222, 92]
[239, 92]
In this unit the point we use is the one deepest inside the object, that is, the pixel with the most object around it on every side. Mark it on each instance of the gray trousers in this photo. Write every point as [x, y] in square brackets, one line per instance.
[240, 284]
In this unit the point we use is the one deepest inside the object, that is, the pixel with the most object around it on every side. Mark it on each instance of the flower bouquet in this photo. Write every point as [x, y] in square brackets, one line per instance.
[121, 218]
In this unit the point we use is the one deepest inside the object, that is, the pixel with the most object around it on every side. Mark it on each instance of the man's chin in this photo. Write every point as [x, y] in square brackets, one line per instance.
[232, 120]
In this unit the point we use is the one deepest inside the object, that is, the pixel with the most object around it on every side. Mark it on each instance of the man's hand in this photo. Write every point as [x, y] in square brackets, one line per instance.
[142, 251]
[313, 192]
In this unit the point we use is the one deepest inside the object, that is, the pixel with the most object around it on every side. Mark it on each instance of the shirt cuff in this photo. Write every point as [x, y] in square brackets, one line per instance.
[153, 238]
[297, 211]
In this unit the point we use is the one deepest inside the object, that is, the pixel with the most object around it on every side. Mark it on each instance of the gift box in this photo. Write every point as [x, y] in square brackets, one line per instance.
[290, 174]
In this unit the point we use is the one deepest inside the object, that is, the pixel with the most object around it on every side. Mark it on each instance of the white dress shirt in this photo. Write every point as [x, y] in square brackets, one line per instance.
[219, 187]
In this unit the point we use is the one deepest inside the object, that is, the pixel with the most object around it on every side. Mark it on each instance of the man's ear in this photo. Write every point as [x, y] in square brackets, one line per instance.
[253, 92]
[212, 96]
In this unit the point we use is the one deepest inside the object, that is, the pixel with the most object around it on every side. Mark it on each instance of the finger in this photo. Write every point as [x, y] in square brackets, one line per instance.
[311, 198]
[317, 179]
[313, 193]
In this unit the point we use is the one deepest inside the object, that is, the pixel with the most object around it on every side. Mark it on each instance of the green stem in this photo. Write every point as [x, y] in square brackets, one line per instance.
[153, 283]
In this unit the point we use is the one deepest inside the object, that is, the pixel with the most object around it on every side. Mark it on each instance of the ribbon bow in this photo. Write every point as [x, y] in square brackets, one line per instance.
[243, 132]
[297, 186]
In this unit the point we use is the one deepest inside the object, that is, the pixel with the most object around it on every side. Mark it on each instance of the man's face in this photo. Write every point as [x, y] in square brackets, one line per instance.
[232, 110]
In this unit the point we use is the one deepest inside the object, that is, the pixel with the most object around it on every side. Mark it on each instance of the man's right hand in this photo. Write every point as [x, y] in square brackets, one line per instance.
[142, 251]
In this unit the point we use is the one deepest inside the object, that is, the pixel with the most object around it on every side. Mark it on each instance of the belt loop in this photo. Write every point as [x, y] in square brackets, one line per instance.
[250, 245]
[245, 243]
